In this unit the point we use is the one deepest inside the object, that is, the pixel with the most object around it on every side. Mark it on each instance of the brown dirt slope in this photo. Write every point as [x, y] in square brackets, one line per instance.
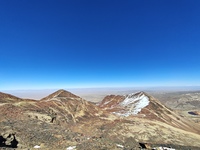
[63, 119]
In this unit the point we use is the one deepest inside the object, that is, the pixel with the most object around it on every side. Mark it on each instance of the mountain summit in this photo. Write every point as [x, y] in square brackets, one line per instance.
[60, 94]
[142, 105]
[133, 104]
[127, 105]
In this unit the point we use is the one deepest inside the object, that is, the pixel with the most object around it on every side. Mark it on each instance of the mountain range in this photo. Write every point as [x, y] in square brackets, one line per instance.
[63, 120]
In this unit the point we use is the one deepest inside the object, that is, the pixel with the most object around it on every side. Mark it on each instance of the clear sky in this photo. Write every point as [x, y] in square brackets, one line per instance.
[99, 43]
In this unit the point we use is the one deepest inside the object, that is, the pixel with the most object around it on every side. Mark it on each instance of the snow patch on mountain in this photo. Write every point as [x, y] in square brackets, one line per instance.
[71, 147]
[107, 102]
[133, 104]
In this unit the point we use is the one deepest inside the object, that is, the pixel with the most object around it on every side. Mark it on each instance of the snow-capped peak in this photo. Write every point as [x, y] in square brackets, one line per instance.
[134, 103]
[133, 97]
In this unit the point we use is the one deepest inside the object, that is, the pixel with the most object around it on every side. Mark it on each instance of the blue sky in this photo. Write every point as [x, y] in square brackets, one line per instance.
[101, 43]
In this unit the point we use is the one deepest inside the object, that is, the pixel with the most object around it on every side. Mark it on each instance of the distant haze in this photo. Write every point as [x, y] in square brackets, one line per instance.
[97, 94]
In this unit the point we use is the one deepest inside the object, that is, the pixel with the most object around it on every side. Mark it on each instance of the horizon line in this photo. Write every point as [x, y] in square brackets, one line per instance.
[106, 87]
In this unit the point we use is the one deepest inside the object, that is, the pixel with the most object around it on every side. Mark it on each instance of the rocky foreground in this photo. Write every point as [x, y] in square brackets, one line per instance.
[65, 121]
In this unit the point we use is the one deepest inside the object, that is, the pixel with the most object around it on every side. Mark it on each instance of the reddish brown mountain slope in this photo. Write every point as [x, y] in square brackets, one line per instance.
[60, 93]
[63, 119]
[7, 98]
[144, 106]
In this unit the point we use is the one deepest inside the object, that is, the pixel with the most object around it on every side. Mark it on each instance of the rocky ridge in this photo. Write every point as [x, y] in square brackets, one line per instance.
[63, 120]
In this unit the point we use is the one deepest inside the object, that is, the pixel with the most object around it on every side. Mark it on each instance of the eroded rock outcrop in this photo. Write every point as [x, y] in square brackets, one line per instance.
[8, 140]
